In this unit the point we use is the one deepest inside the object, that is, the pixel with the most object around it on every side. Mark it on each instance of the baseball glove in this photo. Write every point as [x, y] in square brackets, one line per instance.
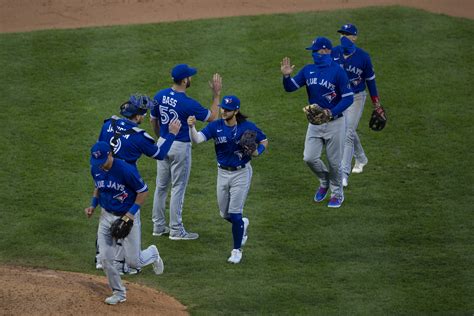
[378, 119]
[317, 115]
[248, 142]
[121, 227]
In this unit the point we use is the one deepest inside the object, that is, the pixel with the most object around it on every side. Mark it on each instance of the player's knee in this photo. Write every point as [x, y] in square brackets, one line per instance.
[134, 263]
[311, 160]
[350, 133]
[236, 218]
[106, 263]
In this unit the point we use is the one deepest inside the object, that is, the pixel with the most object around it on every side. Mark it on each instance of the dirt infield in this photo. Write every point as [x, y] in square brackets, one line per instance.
[27, 15]
[46, 292]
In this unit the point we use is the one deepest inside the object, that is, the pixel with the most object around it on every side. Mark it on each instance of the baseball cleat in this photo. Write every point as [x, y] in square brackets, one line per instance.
[235, 256]
[335, 202]
[358, 166]
[344, 182]
[161, 232]
[130, 271]
[115, 299]
[158, 265]
[99, 266]
[246, 226]
[184, 236]
[321, 194]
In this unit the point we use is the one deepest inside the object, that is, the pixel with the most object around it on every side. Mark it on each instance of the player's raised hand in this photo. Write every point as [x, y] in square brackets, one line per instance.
[216, 84]
[191, 121]
[286, 67]
[89, 211]
[174, 126]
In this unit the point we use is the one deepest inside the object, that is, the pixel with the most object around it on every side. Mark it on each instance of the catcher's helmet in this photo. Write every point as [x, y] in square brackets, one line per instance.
[136, 105]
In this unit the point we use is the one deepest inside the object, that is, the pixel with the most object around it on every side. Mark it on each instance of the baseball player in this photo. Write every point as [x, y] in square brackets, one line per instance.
[129, 142]
[120, 191]
[358, 66]
[173, 104]
[328, 86]
[234, 172]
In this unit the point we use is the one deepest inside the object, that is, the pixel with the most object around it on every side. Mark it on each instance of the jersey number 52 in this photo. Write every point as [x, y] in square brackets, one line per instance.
[167, 114]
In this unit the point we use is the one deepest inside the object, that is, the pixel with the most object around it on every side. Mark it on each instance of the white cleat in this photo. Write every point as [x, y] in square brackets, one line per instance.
[115, 299]
[158, 265]
[235, 256]
[358, 167]
[99, 266]
[246, 226]
[344, 182]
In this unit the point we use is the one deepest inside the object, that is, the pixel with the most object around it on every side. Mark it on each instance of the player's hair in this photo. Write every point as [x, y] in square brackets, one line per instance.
[240, 117]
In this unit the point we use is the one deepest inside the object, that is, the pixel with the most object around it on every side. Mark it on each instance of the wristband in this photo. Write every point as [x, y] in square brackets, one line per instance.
[94, 201]
[375, 99]
[260, 149]
[134, 209]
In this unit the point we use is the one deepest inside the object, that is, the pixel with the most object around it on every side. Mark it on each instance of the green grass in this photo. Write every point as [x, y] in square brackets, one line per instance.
[401, 244]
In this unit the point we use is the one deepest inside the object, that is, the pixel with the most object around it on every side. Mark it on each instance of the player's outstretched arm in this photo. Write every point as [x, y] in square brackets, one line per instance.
[216, 87]
[173, 127]
[196, 136]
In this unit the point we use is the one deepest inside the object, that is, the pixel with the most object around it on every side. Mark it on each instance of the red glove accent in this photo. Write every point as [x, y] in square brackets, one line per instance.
[375, 100]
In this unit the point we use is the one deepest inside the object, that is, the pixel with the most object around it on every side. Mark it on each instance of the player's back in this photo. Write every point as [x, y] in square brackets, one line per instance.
[171, 104]
[127, 140]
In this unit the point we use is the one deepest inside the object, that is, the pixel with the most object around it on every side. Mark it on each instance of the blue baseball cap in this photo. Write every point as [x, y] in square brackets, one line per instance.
[350, 29]
[230, 102]
[99, 153]
[320, 43]
[181, 71]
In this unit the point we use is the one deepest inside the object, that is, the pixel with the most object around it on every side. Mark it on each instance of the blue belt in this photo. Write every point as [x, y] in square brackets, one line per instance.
[116, 213]
[228, 168]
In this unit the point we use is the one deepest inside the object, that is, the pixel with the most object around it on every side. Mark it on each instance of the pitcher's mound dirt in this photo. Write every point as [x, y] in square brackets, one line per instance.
[28, 291]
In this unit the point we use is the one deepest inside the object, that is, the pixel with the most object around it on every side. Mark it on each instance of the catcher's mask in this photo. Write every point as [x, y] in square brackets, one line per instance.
[136, 105]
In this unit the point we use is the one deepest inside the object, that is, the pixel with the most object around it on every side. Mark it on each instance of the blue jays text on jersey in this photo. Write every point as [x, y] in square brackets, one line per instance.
[226, 141]
[170, 105]
[118, 187]
[358, 67]
[131, 146]
[326, 85]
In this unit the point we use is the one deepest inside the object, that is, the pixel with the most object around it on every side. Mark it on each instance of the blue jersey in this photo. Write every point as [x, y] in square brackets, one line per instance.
[226, 140]
[171, 104]
[326, 85]
[358, 67]
[133, 142]
[118, 187]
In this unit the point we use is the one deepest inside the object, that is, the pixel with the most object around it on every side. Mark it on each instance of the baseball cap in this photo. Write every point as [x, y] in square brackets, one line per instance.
[181, 71]
[349, 29]
[99, 153]
[319, 43]
[230, 102]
